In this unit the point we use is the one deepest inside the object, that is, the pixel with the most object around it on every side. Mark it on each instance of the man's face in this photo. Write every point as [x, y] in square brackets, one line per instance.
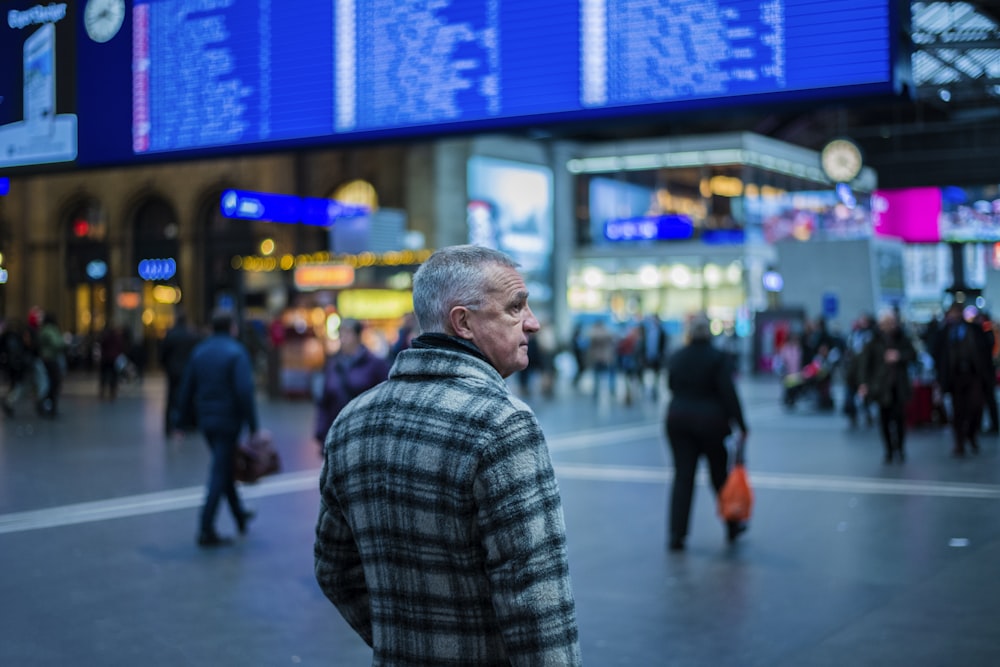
[500, 328]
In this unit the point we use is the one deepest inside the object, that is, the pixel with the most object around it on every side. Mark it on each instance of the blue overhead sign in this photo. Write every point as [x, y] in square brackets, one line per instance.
[650, 228]
[165, 79]
[272, 207]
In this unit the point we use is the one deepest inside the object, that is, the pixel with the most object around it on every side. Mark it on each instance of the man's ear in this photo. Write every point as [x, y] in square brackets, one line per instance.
[458, 317]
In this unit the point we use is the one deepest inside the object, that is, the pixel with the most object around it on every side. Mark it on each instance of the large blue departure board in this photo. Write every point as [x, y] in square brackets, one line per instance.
[191, 78]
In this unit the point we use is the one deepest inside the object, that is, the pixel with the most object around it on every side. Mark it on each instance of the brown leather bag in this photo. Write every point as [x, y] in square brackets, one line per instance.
[256, 457]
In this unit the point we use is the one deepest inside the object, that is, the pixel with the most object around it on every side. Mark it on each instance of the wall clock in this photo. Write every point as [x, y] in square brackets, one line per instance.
[103, 18]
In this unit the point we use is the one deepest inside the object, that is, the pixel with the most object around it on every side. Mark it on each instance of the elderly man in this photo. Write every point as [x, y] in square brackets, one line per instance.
[440, 536]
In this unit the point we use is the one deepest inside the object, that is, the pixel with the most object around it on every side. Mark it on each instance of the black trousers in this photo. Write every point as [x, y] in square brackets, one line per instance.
[892, 422]
[687, 448]
[967, 414]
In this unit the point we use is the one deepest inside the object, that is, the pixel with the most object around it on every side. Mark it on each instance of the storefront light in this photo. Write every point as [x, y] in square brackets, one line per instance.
[584, 300]
[712, 274]
[649, 276]
[680, 275]
[333, 326]
[167, 294]
[726, 186]
[593, 277]
[734, 273]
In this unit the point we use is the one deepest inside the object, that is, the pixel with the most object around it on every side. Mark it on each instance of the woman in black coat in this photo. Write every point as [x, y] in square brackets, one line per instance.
[703, 409]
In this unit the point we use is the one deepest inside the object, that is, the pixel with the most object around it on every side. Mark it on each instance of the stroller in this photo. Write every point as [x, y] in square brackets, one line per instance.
[815, 378]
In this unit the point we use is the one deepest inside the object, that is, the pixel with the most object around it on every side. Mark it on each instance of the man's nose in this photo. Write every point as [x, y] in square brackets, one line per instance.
[531, 322]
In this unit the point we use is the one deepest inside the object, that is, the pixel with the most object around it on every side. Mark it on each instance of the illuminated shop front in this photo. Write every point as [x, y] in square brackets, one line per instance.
[682, 225]
[327, 288]
[627, 288]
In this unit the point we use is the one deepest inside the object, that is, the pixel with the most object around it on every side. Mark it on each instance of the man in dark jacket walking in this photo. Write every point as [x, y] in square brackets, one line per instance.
[217, 395]
[704, 406]
[965, 371]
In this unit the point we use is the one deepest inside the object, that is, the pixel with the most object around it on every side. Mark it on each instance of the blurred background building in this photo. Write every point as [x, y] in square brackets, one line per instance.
[780, 156]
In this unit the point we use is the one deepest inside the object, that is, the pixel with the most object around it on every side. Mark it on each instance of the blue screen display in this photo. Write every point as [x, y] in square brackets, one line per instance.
[197, 78]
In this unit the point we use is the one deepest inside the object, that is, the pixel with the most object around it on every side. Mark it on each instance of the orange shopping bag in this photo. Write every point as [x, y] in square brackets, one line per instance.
[736, 496]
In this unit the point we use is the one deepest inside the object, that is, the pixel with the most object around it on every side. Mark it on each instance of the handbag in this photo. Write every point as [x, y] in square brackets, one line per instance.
[736, 495]
[256, 457]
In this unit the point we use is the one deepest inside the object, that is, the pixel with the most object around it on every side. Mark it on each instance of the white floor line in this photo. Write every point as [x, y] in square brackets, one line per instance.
[308, 480]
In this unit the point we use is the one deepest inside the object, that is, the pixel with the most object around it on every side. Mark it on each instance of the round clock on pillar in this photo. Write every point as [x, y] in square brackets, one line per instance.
[841, 160]
[103, 19]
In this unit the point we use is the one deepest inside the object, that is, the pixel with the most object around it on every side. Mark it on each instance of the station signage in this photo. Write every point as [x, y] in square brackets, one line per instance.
[275, 207]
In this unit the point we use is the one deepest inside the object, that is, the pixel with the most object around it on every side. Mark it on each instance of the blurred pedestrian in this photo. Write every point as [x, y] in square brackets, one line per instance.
[52, 352]
[601, 356]
[440, 536]
[704, 408]
[965, 374]
[18, 362]
[984, 322]
[578, 344]
[548, 350]
[404, 337]
[175, 352]
[884, 378]
[351, 371]
[112, 345]
[655, 347]
[628, 357]
[217, 395]
[862, 331]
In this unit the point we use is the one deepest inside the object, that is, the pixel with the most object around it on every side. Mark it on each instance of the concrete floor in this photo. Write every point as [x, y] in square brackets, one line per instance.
[848, 561]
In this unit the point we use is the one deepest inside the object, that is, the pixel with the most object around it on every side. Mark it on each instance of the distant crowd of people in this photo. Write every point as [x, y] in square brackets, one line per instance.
[943, 372]
[33, 355]
[638, 355]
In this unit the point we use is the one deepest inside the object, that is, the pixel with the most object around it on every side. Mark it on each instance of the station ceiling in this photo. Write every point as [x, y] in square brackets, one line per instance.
[944, 131]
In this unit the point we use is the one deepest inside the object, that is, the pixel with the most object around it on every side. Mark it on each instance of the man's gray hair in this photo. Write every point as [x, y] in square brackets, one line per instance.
[453, 276]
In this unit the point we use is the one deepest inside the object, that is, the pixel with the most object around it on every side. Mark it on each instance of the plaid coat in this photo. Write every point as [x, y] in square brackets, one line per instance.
[440, 536]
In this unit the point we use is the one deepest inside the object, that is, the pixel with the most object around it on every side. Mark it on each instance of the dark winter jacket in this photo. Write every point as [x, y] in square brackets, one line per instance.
[217, 392]
[888, 383]
[703, 396]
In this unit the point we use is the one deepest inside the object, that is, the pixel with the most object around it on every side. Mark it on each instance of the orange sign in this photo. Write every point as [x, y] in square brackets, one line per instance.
[128, 300]
[323, 276]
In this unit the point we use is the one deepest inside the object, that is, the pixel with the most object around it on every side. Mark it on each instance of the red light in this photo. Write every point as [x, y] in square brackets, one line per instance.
[81, 227]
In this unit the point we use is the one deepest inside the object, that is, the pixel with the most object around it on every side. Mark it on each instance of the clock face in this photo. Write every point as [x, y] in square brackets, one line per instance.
[103, 18]
[841, 160]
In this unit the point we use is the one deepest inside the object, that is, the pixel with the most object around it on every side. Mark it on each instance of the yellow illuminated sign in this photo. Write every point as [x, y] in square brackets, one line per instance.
[374, 304]
[323, 276]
